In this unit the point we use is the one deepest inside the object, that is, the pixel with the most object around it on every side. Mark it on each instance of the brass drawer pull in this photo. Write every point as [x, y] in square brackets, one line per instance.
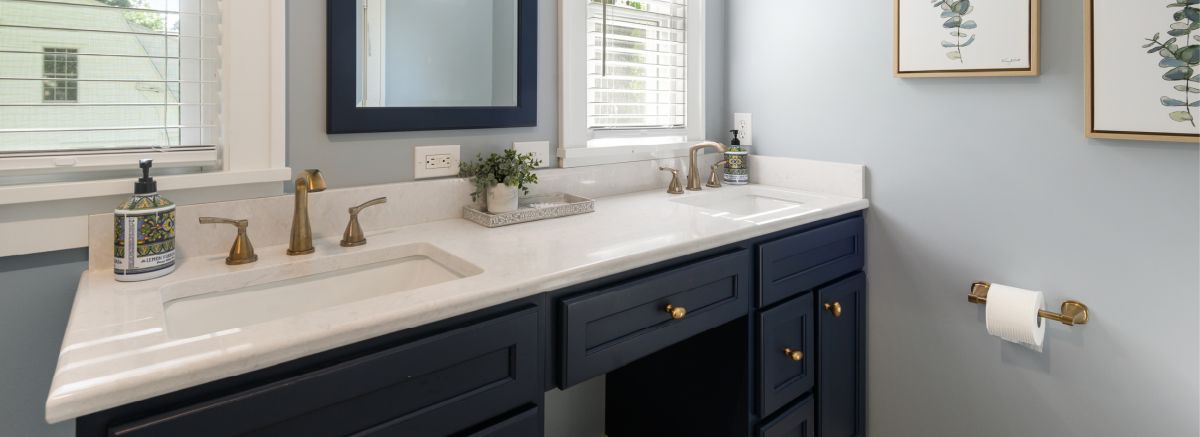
[835, 308]
[793, 354]
[676, 312]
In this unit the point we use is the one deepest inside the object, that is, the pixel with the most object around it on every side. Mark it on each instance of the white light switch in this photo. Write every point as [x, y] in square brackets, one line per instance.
[435, 161]
[539, 149]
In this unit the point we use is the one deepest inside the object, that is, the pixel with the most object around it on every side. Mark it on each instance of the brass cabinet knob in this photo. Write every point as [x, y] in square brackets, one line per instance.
[676, 312]
[242, 251]
[353, 236]
[795, 355]
[835, 308]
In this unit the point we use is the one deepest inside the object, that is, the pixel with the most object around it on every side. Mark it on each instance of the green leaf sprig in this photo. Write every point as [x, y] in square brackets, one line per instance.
[1180, 58]
[955, 13]
[511, 168]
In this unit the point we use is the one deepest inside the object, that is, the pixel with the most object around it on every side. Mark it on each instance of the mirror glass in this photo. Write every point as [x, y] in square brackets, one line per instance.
[437, 53]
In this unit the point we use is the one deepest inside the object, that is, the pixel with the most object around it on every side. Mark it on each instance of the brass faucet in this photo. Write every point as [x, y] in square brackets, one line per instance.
[309, 181]
[693, 176]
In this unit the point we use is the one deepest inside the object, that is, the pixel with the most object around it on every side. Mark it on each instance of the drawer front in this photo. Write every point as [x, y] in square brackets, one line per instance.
[841, 357]
[463, 376]
[801, 262]
[608, 328]
[785, 375]
[796, 421]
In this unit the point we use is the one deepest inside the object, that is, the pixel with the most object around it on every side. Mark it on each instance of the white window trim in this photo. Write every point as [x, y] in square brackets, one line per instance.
[573, 131]
[254, 129]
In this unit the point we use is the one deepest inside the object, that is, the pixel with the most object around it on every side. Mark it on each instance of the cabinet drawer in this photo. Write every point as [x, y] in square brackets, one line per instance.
[785, 330]
[441, 384]
[803, 261]
[795, 421]
[606, 329]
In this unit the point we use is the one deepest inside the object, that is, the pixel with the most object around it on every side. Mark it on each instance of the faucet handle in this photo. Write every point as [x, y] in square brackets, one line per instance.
[675, 187]
[354, 233]
[713, 180]
[242, 251]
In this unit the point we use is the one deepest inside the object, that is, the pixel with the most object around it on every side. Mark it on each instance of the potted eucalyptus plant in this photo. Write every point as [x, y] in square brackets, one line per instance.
[499, 176]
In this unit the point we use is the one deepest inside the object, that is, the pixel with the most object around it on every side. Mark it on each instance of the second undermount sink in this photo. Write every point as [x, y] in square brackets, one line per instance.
[751, 203]
[245, 298]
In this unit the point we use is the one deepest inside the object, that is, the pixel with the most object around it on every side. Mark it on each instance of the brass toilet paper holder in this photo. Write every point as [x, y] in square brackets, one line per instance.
[1071, 313]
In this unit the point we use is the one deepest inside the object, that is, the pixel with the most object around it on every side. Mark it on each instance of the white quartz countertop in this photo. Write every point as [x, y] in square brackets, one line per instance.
[117, 350]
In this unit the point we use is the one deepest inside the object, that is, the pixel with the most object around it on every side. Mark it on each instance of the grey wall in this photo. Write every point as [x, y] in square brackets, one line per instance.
[990, 179]
[35, 299]
[364, 159]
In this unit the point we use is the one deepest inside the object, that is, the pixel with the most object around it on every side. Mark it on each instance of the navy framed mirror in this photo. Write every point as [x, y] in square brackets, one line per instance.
[414, 65]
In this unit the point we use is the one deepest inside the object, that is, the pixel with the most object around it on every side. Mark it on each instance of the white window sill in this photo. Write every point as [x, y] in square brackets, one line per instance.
[77, 190]
[585, 156]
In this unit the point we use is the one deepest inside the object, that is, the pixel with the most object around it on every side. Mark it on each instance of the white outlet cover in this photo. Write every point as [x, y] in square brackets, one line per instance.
[421, 152]
[741, 122]
[539, 149]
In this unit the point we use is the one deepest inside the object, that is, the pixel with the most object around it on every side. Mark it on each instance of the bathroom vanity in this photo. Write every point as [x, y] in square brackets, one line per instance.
[706, 322]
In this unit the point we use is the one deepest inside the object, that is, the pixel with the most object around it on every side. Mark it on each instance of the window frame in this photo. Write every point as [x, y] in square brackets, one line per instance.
[70, 56]
[254, 129]
[574, 135]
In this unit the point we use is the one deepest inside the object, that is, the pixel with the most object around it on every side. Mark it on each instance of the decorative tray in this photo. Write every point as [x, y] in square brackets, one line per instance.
[532, 208]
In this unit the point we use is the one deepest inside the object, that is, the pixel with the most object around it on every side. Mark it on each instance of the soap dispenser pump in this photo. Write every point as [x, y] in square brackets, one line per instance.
[144, 225]
[737, 166]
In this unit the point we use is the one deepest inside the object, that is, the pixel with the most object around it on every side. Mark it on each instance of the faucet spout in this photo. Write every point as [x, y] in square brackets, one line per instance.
[309, 181]
[693, 176]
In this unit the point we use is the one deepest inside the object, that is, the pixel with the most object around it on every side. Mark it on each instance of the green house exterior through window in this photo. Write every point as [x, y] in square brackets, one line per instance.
[60, 67]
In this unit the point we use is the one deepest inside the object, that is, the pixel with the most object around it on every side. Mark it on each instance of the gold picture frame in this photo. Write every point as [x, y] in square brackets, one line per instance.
[1089, 108]
[1034, 52]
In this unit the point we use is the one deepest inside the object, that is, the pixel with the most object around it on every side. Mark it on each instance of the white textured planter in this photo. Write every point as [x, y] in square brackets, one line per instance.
[501, 198]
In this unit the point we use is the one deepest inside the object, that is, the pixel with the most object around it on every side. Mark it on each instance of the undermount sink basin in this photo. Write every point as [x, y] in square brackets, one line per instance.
[245, 298]
[752, 204]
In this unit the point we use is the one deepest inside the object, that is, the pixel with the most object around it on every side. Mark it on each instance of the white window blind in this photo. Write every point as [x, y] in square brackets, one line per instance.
[637, 64]
[97, 78]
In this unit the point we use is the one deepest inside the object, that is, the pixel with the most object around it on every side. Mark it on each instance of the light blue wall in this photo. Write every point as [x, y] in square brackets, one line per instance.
[35, 299]
[990, 178]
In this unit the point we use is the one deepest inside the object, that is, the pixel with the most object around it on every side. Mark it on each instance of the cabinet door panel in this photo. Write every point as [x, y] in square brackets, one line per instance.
[788, 327]
[795, 421]
[841, 357]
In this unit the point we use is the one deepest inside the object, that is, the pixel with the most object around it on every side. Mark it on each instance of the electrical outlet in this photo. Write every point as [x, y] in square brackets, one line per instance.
[435, 161]
[539, 149]
[741, 122]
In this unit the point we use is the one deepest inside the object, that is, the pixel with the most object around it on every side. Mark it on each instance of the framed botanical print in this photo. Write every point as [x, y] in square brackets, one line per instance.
[1142, 74]
[949, 38]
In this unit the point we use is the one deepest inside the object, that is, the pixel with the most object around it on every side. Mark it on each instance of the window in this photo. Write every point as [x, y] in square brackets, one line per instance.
[85, 82]
[637, 64]
[197, 85]
[633, 75]
[60, 64]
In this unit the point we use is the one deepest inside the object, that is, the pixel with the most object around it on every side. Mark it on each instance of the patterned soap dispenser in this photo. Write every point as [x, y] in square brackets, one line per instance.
[144, 227]
[737, 166]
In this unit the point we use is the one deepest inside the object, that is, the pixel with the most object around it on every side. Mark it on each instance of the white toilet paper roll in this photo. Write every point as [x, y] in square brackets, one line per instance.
[1012, 314]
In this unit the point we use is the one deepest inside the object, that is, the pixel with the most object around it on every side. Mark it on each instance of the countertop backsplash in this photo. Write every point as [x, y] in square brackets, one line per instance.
[408, 203]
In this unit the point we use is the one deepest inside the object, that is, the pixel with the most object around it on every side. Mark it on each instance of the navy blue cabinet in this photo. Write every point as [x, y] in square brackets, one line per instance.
[765, 337]
[841, 360]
